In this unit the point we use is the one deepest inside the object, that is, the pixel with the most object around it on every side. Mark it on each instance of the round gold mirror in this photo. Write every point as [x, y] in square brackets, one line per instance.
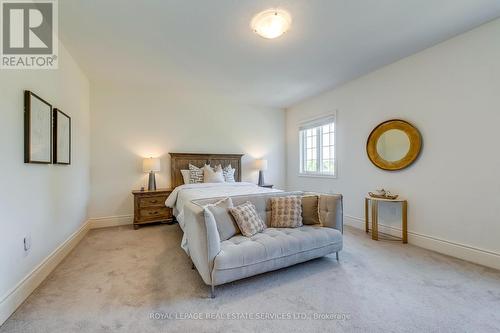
[394, 145]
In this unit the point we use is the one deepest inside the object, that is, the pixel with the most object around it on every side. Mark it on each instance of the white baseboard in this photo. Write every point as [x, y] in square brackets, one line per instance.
[16, 296]
[111, 221]
[462, 251]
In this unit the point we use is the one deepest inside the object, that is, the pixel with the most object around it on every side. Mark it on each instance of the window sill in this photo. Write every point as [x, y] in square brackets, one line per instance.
[312, 175]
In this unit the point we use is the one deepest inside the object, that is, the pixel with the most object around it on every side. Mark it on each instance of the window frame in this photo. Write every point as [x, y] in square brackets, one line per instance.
[318, 123]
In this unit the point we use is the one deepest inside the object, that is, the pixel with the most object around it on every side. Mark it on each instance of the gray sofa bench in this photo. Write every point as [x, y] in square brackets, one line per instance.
[240, 257]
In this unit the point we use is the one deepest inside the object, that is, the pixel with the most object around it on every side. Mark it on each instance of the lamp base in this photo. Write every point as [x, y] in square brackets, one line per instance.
[261, 178]
[152, 181]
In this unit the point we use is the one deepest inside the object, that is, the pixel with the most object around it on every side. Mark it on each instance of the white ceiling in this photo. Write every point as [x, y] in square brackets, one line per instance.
[207, 45]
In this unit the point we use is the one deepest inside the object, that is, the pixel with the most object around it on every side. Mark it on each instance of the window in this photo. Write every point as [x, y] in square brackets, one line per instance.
[317, 147]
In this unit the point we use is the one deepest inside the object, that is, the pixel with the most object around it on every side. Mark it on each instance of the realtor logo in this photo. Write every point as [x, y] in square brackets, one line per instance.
[29, 34]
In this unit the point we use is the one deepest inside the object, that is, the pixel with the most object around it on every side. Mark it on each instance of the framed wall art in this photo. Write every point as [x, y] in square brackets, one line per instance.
[62, 138]
[37, 129]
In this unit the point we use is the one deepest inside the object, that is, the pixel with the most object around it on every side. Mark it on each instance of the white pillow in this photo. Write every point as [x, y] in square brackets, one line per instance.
[206, 169]
[212, 176]
[219, 213]
[185, 176]
[219, 168]
[229, 174]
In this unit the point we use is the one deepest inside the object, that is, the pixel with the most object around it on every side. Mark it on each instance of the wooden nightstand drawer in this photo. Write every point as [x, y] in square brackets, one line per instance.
[153, 201]
[154, 213]
[149, 207]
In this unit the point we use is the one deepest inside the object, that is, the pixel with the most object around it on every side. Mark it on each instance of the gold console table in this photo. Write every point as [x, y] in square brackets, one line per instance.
[374, 207]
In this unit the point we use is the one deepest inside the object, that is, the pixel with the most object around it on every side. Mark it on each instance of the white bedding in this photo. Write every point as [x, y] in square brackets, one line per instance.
[188, 192]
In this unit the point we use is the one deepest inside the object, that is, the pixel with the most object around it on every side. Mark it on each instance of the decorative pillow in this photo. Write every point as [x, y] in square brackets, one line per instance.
[225, 223]
[286, 212]
[228, 172]
[195, 174]
[185, 176]
[211, 176]
[310, 209]
[247, 219]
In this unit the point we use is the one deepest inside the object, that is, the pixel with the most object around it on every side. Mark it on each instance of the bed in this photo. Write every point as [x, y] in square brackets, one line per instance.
[184, 193]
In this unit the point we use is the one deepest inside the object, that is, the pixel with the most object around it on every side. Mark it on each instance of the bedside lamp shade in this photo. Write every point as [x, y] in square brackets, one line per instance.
[151, 164]
[262, 165]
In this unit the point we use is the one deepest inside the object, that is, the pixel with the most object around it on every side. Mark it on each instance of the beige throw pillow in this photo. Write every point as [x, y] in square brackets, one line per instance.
[248, 219]
[286, 212]
[185, 176]
[310, 209]
[219, 212]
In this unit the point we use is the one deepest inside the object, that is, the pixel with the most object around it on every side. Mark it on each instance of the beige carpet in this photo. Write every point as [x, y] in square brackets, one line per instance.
[118, 278]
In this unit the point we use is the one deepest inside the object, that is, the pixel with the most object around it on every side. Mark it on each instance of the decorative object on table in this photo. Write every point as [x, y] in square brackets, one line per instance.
[149, 207]
[383, 194]
[261, 166]
[62, 138]
[374, 213]
[37, 129]
[394, 145]
[151, 165]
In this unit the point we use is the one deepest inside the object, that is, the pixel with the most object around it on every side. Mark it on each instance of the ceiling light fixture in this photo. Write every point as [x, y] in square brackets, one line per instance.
[271, 23]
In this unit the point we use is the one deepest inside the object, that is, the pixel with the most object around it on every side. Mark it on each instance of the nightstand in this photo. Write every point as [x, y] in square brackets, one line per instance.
[149, 207]
[267, 185]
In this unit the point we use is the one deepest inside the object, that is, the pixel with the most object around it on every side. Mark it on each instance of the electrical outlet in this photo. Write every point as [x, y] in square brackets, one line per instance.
[27, 243]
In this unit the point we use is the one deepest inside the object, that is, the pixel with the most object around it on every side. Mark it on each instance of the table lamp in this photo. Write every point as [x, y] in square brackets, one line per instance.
[262, 166]
[151, 165]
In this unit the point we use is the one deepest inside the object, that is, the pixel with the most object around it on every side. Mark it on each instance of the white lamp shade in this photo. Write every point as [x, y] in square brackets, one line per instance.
[151, 164]
[261, 164]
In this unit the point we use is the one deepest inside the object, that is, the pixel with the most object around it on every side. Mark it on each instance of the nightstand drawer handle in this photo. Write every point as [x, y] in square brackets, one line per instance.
[154, 201]
[153, 213]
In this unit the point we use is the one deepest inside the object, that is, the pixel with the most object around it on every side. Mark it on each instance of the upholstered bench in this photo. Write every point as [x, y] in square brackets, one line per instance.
[220, 262]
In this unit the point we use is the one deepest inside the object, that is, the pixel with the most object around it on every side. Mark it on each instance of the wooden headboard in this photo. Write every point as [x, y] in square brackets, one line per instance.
[181, 161]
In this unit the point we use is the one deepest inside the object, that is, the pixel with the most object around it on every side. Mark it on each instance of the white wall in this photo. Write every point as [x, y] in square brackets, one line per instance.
[129, 123]
[47, 201]
[451, 92]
